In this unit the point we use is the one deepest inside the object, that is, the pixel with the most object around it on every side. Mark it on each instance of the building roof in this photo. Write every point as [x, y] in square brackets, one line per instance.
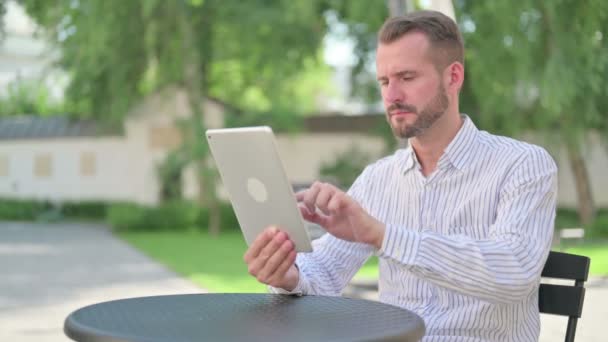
[34, 127]
[337, 123]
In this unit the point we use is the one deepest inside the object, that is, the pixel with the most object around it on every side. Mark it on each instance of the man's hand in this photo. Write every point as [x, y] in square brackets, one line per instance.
[339, 214]
[271, 259]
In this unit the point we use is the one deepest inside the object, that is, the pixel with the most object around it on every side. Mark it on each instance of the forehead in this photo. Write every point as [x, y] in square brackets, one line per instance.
[411, 51]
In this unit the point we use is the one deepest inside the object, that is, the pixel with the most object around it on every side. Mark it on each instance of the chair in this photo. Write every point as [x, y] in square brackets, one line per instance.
[564, 300]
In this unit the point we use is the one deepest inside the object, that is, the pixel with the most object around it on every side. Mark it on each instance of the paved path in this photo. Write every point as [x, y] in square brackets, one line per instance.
[47, 271]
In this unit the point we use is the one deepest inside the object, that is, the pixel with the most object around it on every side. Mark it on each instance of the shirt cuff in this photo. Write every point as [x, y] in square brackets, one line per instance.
[299, 290]
[400, 244]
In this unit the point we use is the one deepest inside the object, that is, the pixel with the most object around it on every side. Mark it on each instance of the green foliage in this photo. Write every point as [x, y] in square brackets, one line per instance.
[22, 210]
[280, 121]
[43, 210]
[259, 55]
[362, 20]
[599, 227]
[172, 215]
[566, 218]
[29, 97]
[2, 13]
[256, 54]
[91, 210]
[170, 174]
[384, 131]
[569, 218]
[228, 218]
[345, 168]
[536, 64]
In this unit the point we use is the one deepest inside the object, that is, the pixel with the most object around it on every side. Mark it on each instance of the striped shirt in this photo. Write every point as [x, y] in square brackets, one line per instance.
[464, 247]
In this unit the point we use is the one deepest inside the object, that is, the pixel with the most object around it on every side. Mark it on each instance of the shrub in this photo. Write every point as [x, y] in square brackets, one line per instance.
[345, 168]
[126, 216]
[174, 215]
[228, 218]
[23, 210]
[599, 227]
[85, 210]
[566, 218]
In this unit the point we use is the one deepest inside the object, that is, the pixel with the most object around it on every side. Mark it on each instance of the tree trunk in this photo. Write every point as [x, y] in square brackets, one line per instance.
[586, 207]
[194, 80]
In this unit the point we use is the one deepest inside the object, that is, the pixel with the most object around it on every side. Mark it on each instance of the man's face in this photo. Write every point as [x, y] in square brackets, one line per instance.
[412, 90]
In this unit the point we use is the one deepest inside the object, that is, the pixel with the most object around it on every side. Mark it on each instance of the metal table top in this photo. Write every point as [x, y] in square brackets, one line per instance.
[242, 317]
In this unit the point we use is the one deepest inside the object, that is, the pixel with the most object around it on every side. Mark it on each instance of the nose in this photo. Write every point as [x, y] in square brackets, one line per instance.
[393, 93]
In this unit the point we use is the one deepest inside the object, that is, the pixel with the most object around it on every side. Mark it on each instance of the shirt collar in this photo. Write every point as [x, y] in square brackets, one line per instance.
[409, 159]
[458, 152]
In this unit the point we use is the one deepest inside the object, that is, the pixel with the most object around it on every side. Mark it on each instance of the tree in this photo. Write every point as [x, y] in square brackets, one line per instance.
[540, 65]
[248, 54]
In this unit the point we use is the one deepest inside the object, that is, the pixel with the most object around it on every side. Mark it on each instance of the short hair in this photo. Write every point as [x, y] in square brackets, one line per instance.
[442, 32]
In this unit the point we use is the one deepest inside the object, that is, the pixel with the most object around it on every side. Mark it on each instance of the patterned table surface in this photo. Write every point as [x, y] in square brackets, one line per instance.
[242, 317]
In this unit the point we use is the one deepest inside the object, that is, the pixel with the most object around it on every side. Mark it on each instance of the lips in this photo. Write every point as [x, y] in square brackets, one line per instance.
[400, 113]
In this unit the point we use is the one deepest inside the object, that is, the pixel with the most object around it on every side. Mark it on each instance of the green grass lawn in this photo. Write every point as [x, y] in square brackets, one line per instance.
[598, 252]
[216, 264]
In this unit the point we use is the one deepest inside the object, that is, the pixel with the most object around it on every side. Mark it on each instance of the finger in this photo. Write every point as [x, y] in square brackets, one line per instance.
[311, 196]
[323, 198]
[337, 202]
[304, 209]
[276, 260]
[280, 272]
[259, 243]
[300, 195]
[317, 218]
[258, 264]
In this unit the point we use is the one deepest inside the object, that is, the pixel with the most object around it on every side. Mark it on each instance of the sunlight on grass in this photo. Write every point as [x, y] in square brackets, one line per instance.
[598, 252]
[216, 264]
[369, 270]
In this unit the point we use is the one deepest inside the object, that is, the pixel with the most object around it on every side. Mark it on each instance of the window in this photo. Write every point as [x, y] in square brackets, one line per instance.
[164, 137]
[43, 165]
[3, 166]
[88, 164]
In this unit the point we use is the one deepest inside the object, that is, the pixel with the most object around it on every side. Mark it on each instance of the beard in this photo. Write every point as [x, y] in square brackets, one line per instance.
[425, 118]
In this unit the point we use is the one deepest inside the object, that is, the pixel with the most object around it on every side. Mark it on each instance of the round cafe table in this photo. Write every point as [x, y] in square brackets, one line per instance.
[242, 317]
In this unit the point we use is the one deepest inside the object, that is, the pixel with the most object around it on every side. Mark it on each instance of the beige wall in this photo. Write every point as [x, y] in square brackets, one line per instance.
[51, 169]
[303, 154]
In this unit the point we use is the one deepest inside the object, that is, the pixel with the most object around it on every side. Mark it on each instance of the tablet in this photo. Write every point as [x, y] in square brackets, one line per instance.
[252, 172]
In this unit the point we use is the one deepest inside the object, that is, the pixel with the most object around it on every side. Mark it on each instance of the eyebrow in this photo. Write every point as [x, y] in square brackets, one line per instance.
[402, 73]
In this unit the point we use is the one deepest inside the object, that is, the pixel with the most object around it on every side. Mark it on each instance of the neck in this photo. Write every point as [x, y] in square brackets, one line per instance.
[430, 145]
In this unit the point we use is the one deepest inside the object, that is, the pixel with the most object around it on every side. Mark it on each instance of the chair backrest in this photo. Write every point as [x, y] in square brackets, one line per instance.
[564, 300]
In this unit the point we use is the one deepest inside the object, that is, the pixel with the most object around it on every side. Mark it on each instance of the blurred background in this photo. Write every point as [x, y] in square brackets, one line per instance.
[107, 189]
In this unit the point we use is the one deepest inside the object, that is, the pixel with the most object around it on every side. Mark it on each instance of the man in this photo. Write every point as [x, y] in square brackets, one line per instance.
[461, 220]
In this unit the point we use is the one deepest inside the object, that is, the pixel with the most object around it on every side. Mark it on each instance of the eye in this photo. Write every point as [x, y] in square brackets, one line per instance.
[408, 78]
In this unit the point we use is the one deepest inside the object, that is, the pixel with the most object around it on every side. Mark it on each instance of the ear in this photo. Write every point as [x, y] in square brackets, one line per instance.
[454, 77]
